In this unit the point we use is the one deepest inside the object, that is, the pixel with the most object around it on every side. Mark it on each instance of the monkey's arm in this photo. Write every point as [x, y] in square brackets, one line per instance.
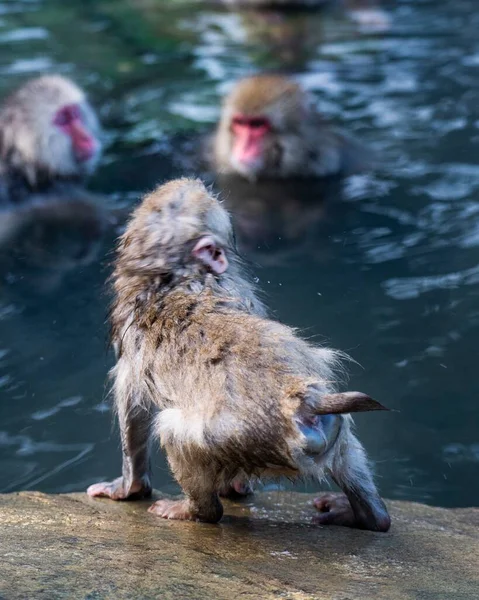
[135, 482]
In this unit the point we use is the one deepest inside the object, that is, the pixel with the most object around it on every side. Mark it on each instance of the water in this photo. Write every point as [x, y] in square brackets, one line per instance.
[384, 267]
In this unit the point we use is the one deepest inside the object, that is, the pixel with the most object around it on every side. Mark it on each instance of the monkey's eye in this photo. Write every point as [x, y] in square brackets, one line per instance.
[67, 115]
[258, 123]
[240, 121]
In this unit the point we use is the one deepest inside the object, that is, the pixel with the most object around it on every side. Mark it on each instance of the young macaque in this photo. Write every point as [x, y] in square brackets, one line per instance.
[239, 396]
[48, 134]
[269, 128]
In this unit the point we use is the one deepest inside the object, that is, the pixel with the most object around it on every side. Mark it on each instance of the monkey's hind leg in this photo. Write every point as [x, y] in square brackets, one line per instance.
[135, 482]
[360, 506]
[199, 482]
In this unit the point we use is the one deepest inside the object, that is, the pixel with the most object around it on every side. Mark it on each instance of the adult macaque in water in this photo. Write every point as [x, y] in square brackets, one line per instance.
[270, 128]
[48, 134]
[239, 396]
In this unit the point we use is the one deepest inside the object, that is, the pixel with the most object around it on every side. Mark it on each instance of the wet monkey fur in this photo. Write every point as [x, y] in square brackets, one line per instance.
[49, 134]
[231, 394]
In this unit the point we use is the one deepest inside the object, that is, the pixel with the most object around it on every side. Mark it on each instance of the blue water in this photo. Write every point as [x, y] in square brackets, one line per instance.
[385, 267]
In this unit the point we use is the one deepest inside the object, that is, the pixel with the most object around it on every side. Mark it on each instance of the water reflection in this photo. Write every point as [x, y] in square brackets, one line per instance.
[32, 470]
[277, 221]
[44, 239]
[383, 266]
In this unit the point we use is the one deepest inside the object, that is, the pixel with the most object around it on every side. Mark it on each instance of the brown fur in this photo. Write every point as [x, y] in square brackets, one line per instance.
[34, 154]
[255, 93]
[301, 143]
[232, 386]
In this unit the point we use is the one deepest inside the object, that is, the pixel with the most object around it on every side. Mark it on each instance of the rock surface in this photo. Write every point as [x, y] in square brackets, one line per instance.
[71, 546]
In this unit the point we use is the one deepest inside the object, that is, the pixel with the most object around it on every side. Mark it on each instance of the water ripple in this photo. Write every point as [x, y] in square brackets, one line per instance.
[413, 287]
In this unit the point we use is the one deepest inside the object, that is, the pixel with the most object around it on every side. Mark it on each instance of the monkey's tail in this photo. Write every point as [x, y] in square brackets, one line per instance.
[346, 402]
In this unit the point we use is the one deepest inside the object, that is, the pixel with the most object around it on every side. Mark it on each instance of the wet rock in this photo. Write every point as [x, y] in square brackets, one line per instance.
[71, 546]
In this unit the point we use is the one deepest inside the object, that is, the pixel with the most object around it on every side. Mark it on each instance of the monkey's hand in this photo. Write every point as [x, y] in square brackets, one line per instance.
[119, 490]
[334, 509]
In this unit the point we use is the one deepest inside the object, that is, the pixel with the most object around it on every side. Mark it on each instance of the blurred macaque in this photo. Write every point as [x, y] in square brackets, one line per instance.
[289, 40]
[367, 13]
[49, 133]
[270, 128]
[238, 395]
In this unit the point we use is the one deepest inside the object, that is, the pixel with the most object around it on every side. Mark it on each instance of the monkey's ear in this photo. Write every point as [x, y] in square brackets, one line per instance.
[346, 402]
[210, 254]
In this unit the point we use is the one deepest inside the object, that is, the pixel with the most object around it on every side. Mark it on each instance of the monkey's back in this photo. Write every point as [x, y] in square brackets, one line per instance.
[224, 378]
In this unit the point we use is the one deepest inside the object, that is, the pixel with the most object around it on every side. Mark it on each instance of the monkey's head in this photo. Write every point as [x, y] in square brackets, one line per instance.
[48, 127]
[179, 231]
[261, 130]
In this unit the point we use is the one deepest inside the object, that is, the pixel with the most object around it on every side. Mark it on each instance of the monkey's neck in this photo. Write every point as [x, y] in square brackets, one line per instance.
[235, 289]
[144, 294]
[229, 290]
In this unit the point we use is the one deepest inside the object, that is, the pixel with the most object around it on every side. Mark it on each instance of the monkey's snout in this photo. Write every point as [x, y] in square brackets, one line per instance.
[320, 431]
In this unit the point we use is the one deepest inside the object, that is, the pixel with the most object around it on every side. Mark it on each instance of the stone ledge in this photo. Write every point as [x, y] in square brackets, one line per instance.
[71, 546]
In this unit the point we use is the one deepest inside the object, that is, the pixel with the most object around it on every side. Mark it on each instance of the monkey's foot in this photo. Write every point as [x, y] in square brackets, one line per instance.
[117, 490]
[172, 509]
[237, 488]
[334, 509]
